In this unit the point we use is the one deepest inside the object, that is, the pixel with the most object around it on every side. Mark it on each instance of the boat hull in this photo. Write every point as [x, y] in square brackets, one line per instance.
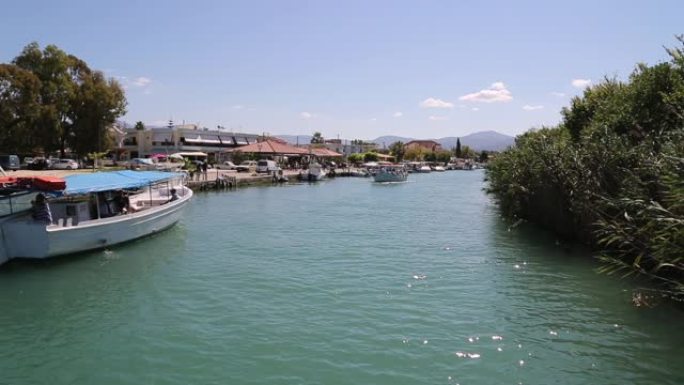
[390, 177]
[27, 239]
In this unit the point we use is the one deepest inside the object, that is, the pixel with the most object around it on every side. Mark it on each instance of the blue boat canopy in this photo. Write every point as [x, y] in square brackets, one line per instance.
[114, 180]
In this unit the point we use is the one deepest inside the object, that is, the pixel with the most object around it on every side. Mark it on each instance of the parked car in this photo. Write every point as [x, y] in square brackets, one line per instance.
[26, 161]
[141, 164]
[64, 164]
[246, 166]
[227, 165]
[9, 162]
[266, 165]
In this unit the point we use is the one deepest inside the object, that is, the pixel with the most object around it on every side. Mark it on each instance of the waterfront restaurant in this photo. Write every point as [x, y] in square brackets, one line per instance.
[180, 138]
[282, 152]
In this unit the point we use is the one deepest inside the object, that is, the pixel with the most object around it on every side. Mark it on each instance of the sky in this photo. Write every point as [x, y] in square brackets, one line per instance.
[350, 69]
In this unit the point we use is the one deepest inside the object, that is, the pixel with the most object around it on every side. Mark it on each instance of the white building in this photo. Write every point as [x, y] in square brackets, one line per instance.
[347, 148]
[179, 138]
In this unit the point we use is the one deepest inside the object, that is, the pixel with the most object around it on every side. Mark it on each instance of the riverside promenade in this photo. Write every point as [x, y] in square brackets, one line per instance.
[226, 178]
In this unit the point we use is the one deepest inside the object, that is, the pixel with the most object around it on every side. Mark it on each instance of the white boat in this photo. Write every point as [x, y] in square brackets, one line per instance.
[315, 173]
[391, 174]
[85, 216]
[439, 169]
[424, 169]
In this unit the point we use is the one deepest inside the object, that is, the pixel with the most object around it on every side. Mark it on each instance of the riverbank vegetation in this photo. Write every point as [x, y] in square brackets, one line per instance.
[51, 101]
[611, 174]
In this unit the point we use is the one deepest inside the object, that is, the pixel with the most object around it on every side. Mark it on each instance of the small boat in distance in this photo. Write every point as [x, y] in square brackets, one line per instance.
[94, 211]
[315, 173]
[391, 174]
[424, 169]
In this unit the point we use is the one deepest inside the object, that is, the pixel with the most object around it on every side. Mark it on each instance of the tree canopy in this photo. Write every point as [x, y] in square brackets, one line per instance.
[610, 174]
[51, 100]
[317, 138]
[398, 150]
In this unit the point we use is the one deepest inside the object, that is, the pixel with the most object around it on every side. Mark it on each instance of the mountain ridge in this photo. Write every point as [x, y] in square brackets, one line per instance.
[479, 141]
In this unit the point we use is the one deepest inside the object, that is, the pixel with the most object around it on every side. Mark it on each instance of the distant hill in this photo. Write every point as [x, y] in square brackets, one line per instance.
[479, 141]
[482, 141]
[387, 140]
[293, 139]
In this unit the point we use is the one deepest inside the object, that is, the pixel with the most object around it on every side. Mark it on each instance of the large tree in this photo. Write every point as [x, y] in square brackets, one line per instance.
[19, 108]
[397, 149]
[457, 151]
[317, 138]
[76, 104]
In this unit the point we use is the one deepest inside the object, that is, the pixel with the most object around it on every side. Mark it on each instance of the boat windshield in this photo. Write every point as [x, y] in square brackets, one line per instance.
[16, 202]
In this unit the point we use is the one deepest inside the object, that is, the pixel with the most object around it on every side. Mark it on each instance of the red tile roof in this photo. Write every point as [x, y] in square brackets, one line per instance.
[272, 147]
[325, 152]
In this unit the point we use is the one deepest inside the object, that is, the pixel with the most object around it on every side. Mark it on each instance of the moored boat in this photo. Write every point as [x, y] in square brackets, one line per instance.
[391, 174]
[94, 211]
[315, 173]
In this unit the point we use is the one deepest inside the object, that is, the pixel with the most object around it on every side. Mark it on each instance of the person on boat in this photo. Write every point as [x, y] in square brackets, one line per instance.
[205, 167]
[174, 196]
[41, 209]
[123, 204]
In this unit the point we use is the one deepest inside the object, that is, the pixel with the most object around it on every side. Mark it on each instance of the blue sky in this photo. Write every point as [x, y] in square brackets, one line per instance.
[357, 69]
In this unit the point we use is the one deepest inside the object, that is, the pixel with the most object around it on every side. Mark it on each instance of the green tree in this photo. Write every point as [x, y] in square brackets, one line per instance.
[19, 108]
[457, 151]
[317, 138]
[484, 156]
[238, 157]
[468, 153]
[443, 156]
[97, 104]
[370, 157]
[397, 149]
[610, 174]
[355, 158]
[139, 126]
[77, 105]
[429, 156]
[415, 154]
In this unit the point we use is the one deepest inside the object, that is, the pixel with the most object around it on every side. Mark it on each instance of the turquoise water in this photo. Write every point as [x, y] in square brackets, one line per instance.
[341, 282]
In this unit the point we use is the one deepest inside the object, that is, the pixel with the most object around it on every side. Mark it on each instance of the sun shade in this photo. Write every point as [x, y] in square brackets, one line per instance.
[114, 180]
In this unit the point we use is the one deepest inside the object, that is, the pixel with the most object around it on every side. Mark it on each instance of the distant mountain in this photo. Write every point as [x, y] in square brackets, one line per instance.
[479, 141]
[485, 141]
[295, 139]
[387, 140]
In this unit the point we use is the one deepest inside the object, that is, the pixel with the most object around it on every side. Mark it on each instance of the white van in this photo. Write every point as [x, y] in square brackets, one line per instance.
[265, 165]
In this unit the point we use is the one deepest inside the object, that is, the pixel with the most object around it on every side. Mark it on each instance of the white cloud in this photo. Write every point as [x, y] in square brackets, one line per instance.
[373, 119]
[398, 114]
[528, 107]
[581, 83]
[141, 81]
[475, 109]
[435, 118]
[497, 92]
[558, 94]
[306, 115]
[435, 103]
[238, 107]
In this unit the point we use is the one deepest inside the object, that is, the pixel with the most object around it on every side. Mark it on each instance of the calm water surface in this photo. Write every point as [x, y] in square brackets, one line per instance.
[343, 282]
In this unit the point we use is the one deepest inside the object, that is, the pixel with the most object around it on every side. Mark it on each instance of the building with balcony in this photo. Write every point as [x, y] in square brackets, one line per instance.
[429, 145]
[179, 138]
